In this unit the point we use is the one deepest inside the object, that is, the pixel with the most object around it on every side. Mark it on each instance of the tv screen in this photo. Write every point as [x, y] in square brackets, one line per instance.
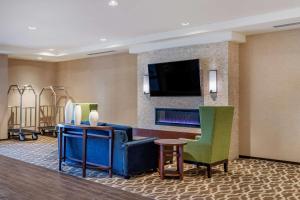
[181, 78]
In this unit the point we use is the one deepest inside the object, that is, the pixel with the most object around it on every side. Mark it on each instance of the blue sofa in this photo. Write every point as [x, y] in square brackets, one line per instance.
[129, 157]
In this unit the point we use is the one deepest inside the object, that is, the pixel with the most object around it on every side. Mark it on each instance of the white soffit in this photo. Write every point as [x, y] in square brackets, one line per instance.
[230, 30]
[205, 38]
[265, 22]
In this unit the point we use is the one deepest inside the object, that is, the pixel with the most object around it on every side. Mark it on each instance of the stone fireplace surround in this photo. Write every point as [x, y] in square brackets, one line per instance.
[222, 56]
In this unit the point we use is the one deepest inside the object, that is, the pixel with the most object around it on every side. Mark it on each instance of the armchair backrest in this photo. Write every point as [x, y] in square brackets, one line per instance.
[216, 125]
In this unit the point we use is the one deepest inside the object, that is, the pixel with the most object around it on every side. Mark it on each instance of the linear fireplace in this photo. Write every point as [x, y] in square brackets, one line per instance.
[177, 117]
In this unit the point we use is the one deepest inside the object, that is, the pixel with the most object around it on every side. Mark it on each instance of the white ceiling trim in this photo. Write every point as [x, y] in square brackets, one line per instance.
[220, 26]
[160, 39]
[202, 39]
[226, 25]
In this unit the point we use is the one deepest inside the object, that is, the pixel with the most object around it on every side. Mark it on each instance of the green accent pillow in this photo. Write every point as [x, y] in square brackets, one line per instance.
[86, 108]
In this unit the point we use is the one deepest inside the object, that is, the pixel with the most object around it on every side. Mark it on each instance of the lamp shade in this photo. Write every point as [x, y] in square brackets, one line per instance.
[146, 87]
[212, 81]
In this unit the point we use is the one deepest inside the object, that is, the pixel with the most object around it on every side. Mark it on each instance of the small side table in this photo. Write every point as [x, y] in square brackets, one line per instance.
[167, 152]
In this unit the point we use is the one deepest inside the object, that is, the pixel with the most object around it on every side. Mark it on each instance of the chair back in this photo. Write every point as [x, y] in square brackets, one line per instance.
[216, 125]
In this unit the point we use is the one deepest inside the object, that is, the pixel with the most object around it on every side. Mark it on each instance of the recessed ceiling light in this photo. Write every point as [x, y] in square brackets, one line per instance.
[51, 54]
[113, 3]
[103, 39]
[185, 23]
[31, 28]
[39, 58]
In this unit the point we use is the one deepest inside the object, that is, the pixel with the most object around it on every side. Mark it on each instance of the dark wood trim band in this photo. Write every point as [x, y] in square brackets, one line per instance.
[269, 159]
[162, 134]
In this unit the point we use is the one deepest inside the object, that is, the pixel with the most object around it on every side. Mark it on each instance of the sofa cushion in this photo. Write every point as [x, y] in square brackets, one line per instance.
[88, 123]
[100, 124]
[125, 128]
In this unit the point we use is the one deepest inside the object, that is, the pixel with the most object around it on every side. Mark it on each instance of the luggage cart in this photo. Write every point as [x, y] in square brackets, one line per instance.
[52, 102]
[22, 120]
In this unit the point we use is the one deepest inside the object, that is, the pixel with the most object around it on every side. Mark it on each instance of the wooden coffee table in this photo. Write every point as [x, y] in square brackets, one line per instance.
[170, 152]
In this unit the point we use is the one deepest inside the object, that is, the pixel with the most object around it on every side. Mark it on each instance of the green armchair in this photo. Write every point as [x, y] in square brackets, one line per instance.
[212, 148]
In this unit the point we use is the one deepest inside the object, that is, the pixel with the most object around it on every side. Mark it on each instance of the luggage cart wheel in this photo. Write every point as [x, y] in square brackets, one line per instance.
[54, 134]
[34, 136]
[21, 137]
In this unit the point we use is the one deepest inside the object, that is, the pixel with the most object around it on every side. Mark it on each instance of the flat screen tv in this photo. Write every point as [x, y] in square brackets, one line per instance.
[181, 78]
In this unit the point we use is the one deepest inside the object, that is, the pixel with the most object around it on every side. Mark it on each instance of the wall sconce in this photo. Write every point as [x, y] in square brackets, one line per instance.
[212, 77]
[146, 87]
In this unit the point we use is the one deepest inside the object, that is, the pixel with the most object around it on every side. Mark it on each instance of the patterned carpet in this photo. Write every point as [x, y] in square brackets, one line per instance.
[246, 179]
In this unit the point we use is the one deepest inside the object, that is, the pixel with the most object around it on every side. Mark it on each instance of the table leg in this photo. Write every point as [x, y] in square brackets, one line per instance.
[161, 162]
[60, 148]
[64, 145]
[180, 163]
[111, 152]
[84, 139]
[178, 158]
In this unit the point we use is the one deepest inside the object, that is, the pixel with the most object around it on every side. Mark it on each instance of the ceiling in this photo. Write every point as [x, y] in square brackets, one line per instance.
[70, 29]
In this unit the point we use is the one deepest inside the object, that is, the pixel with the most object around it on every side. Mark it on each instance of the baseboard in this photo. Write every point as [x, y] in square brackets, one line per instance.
[269, 159]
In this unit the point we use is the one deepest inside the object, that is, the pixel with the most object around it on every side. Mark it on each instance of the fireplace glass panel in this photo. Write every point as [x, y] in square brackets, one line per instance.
[177, 117]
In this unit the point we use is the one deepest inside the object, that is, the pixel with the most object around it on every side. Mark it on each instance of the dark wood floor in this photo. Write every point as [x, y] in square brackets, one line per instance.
[22, 181]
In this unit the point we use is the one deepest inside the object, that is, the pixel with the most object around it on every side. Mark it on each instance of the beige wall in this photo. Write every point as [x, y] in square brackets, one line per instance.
[110, 81]
[3, 95]
[38, 74]
[270, 96]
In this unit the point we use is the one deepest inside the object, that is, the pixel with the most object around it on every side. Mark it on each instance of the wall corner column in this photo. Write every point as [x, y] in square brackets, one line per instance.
[233, 96]
[3, 95]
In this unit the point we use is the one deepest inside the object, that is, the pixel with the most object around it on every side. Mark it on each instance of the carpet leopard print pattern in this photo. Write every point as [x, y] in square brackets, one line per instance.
[246, 179]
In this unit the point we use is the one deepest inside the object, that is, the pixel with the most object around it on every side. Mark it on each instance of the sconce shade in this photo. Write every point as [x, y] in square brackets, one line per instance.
[212, 81]
[146, 87]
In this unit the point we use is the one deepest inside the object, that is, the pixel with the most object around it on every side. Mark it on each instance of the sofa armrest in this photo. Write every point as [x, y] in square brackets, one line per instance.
[140, 156]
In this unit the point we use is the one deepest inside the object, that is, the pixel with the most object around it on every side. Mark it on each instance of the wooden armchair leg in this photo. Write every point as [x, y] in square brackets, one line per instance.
[226, 166]
[209, 171]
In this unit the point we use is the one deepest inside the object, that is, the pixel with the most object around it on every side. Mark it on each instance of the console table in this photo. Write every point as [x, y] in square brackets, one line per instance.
[84, 134]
